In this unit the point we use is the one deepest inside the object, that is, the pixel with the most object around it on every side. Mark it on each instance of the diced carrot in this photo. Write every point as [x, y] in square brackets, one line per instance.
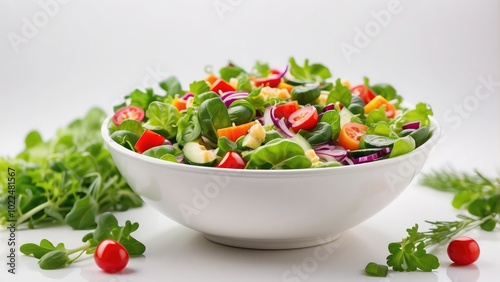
[180, 104]
[234, 132]
[286, 86]
[211, 78]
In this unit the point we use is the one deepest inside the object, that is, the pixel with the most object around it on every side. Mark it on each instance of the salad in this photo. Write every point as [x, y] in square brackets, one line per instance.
[290, 118]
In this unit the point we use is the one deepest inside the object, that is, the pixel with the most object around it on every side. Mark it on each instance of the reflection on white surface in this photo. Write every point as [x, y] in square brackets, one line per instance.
[463, 273]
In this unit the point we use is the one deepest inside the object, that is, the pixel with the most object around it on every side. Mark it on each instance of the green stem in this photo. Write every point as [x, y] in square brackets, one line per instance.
[81, 248]
[32, 212]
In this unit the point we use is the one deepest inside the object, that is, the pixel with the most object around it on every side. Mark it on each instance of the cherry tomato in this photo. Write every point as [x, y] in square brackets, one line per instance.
[111, 256]
[463, 250]
[128, 112]
[232, 160]
[379, 101]
[364, 92]
[148, 139]
[350, 134]
[304, 118]
[221, 86]
[285, 110]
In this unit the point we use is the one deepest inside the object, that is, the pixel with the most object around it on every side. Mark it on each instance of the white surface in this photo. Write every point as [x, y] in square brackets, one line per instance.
[93, 53]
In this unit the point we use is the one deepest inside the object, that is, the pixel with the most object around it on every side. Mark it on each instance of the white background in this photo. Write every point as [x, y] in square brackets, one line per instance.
[57, 62]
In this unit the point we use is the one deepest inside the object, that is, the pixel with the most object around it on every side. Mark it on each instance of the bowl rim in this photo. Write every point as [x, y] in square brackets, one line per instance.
[424, 148]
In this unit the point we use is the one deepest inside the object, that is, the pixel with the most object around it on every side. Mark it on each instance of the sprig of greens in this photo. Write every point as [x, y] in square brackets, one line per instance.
[70, 178]
[474, 193]
[58, 256]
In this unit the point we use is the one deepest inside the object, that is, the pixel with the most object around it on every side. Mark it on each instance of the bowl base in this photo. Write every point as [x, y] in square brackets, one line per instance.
[272, 244]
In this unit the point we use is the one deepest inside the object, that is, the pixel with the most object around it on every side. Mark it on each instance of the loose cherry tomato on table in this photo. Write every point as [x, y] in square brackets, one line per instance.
[364, 92]
[350, 134]
[128, 112]
[463, 250]
[232, 160]
[304, 118]
[111, 256]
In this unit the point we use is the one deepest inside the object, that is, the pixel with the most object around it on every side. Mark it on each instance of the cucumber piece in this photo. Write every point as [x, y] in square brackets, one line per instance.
[197, 154]
[345, 116]
[362, 152]
[375, 141]
[301, 141]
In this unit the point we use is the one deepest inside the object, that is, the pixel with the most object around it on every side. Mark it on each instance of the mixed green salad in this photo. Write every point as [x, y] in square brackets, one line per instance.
[291, 118]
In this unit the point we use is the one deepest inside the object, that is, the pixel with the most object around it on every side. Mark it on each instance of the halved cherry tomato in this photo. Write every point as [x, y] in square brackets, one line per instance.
[148, 139]
[304, 118]
[221, 86]
[364, 92]
[111, 256]
[232, 160]
[350, 134]
[128, 112]
[377, 102]
[285, 110]
[234, 132]
[180, 104]
[463, 250]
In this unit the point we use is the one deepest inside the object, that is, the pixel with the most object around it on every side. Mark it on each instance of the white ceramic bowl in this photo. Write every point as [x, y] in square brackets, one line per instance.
[269, 209]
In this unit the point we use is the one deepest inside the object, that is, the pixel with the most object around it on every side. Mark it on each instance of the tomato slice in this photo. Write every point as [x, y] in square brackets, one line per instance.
[364, 92]
[128, 112]
[232, 160]
[111, 256]
[148, 139]
[221, 86]
[350, 134]
[304, 118]
[285, 110]
[272, 81]
[379, 101]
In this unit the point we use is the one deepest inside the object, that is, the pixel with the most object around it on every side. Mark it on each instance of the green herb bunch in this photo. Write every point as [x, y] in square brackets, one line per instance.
[69, 179]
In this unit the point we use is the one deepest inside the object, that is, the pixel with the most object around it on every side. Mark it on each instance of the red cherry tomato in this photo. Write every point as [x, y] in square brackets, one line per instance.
[363, 92]
[128, 112]
[304, 118]
[111, 256]
[148, 139]
[463, 250]
[221, 86]
[285, 110]
[232, 160]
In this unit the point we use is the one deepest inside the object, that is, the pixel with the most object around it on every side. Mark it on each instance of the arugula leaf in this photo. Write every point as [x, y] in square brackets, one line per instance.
[172, 85]
[309, 73]
[198, 87]
[339, 93]
[229, 72]
[261, 69]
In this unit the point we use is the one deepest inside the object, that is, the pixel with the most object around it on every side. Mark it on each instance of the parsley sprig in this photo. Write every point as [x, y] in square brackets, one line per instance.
[476, 195]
